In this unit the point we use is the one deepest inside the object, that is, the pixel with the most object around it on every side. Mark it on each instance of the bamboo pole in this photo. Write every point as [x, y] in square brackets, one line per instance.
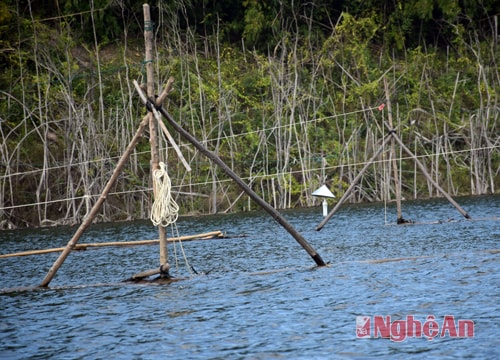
[268, 208]
[353, 184]
[426, 174]
[212, 156]
[172, 142]
[153, 128]
[168, 88]
[95, 209]
[204, 236]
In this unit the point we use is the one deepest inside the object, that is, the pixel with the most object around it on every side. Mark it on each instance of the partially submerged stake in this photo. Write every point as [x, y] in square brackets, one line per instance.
[212, 156]
[95, 209]
[426, 174]
[394, 136]
[268, 208]
[353, 184]
[153, 128]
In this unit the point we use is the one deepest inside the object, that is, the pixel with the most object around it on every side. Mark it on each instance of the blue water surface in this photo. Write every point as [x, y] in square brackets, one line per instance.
[263, 296]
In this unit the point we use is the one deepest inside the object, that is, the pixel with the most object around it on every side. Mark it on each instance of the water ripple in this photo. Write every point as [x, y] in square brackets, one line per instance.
[264, 298]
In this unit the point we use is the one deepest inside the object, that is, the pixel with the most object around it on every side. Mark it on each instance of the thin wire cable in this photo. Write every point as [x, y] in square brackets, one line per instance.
[206, 141]
[233, 136]
[175, 234]
[221, 181]
[68, 15]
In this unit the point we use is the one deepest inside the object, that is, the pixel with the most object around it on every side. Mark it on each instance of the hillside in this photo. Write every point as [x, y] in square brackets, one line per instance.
[289, 96]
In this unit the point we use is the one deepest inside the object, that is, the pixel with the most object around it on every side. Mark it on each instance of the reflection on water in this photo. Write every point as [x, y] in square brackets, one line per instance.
[263, 297]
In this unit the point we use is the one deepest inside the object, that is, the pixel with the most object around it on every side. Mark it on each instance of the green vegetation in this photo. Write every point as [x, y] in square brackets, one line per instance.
[286, 93]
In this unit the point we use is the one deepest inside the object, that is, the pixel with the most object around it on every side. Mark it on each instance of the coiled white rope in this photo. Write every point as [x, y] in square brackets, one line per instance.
[165, 210]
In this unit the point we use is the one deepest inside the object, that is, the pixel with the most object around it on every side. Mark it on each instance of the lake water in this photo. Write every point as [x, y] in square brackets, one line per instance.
[263, 297]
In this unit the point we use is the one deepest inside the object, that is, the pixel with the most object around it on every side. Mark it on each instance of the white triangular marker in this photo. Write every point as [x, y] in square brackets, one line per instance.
[323, 191]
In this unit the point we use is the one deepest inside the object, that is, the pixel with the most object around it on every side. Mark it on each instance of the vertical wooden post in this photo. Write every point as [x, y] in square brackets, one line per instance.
[153, 128]
[397, 185]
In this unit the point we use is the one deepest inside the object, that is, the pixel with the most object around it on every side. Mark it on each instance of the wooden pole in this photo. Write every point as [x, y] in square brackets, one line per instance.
[426, 174]
[95, 209]
[168, 88]
[353, 184]
[268, 208]
[397, 185]
[212, 156]
[172, 142]
[153, 129]
[204, 236]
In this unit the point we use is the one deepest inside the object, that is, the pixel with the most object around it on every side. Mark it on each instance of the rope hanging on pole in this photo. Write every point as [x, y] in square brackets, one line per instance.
[165, 210]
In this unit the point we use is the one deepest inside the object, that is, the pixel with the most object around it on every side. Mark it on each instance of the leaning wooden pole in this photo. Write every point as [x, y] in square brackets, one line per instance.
[212, 156]
[426, 174]
[95, 209]
[153, 128]
[353, 184]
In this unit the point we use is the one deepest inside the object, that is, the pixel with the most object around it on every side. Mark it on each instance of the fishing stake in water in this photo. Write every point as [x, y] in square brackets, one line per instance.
[394, 138]
[212, 156]
[95, 209]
